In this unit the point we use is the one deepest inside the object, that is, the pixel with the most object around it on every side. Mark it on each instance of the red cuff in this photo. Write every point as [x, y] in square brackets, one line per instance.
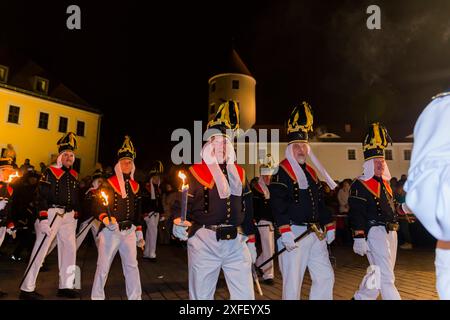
[76, 214]
[251, 238]
[43, 214]
[102, 216]
[330, 228]
[10, 225]
[138, 228]
[285, 229]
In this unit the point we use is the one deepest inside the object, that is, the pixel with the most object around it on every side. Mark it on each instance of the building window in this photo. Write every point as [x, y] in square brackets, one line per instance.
[213, 87]
[13, 115]
[43, 120]
[235, 84]
[63, 124]
[407, 155]
[80, 128]
[388, 154]
[3, 74]
[351, 154]
[212, 109]
[41, 85]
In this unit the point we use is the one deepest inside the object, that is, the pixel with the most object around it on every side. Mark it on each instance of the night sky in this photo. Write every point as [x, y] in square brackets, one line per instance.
[146, 66]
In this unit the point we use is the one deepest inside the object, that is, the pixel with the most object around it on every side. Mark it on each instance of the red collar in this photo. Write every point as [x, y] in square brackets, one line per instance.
[9, 189]
[114, 182]
[288, 168]
[374, 187]
[258, 188]
[201, 173]
[58, 172]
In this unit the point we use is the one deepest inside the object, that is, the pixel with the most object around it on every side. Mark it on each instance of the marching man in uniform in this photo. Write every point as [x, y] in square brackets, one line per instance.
[152, 208]
[428, 182]
[92, 223]
[297, 203]
[264, 219]
[6, 193]
[219, 205]
[118, 208]
[374, 219]
[58, 206]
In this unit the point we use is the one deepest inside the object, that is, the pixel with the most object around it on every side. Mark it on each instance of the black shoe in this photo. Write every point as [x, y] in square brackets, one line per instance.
[2, 294]
[33, 295]
[269, 282]
[44, 268]
[150, 259]
[68, 293]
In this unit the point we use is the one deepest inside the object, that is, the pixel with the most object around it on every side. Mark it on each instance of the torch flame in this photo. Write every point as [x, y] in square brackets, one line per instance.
[182, 176]
[12, 176]
[105, 198]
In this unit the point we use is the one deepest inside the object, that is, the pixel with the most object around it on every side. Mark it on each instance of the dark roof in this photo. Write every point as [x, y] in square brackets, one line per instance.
[21, 76]
[230, 62]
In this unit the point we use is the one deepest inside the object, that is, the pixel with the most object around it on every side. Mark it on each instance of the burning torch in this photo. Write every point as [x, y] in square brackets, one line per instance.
[184, 200]
[105, 203]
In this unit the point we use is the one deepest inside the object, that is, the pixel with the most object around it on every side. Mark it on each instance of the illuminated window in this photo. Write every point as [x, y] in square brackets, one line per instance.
[351, 154]
[43, 120]
[235, 84]
[388, 154]
[41, 85]
[13, 115]
[63, 124]
[80, 128]
[3, 74]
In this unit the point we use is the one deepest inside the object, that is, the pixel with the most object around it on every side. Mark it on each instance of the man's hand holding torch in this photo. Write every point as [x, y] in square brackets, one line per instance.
[180, 225]
[108, 221]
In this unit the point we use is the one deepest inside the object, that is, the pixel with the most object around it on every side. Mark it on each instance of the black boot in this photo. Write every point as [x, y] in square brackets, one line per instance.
[33, 295]
[2, 294]
[68, 293]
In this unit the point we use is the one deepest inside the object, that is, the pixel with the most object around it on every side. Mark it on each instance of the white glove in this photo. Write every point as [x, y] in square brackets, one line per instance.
[180, 232]
[287, 239]
[140, 242]
[163, 218]
[251, 246]
[331, 235]
[11, 232]
[3, 204]
[112, 226]
[45, 227]
[360, 246]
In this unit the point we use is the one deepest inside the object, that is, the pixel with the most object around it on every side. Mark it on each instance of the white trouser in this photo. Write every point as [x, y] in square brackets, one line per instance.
[206, 256]
[442, 263]
[151, 235]
[2, 234]
[109, 242]
[63, 229]
[266, 235]
[311, 253]
[93, 226]
[381, 255]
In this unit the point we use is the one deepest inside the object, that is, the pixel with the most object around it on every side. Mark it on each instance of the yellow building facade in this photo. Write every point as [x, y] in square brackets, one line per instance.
[32, 140]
